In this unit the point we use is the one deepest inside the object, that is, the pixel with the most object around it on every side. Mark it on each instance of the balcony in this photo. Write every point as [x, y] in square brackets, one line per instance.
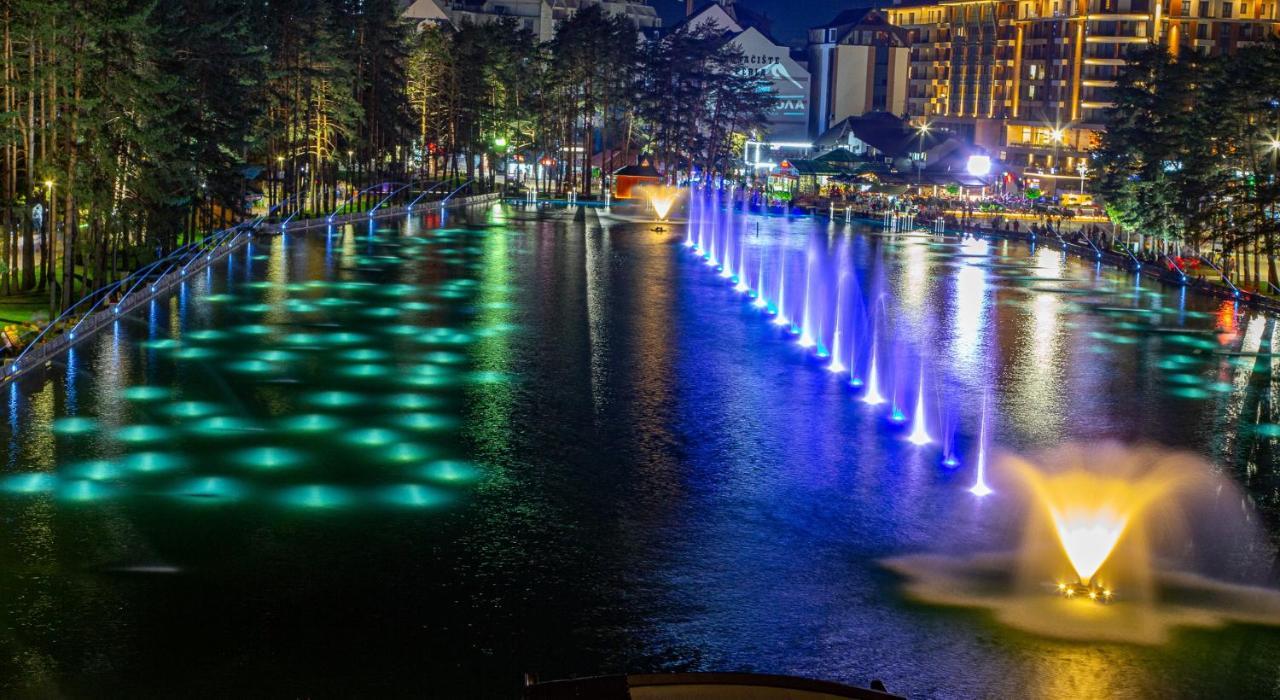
[1095, 39]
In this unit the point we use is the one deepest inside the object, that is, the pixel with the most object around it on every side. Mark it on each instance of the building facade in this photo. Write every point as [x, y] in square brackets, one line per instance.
[766, 58]
[857, 64]
[541, 17]
[1030, 79]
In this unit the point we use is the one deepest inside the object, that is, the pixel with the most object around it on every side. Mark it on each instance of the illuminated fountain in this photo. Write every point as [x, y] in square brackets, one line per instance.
[662, 198]
[919, 422]
[1109, 539]
[1112, 543]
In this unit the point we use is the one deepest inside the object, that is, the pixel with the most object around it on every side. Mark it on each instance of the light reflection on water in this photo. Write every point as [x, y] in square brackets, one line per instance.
[610, 464]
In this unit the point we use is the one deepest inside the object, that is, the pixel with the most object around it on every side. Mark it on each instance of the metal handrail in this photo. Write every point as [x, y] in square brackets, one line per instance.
[348, 200]
[1222, 273]
[425, 192]
[395, 192]
[190, 253]
[451, 194]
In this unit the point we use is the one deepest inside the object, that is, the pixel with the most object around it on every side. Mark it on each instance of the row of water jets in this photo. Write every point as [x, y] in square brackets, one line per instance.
[824, 307]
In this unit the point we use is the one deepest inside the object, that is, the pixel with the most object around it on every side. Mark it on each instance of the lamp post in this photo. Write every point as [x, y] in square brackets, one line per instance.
[500, 147]
[278, 181]
[1082, 168]
[924, 131]
[53, 248]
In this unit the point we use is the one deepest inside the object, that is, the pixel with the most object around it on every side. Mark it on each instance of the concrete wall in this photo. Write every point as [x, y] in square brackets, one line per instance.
[851, 87]
[899, 61]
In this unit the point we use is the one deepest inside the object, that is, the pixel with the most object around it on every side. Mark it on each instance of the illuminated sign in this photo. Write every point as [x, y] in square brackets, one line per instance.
[788, 81]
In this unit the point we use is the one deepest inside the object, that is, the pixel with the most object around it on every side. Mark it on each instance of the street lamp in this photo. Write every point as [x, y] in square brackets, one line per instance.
[277, 182]
[53, 244]
[1082, 168]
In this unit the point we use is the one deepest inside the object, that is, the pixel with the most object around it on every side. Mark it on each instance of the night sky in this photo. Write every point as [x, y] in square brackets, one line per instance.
[791, 18]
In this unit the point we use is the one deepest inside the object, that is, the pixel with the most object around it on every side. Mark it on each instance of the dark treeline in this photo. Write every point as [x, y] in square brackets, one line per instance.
[487, 93]
[131, 127]
[1190, 156]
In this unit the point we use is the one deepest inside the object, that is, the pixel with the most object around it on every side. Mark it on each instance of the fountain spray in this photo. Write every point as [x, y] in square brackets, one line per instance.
[919, 427]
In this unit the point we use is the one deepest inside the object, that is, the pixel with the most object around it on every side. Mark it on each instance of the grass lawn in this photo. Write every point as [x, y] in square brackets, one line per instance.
[19, 307]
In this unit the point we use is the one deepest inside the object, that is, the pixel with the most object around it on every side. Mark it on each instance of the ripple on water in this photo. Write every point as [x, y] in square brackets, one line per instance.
[84, 491]
[145, 393]
[74, 425]
[310, 423]
[421, 421]
[190, 409]
[333, 399]
[152, 462]
[220, 426]
[96, 470]
[451, 471]
[406, 453]
[29, 483]
[254, 367]
[413, 496]
[268, 458]
[139, 434]
[316, 496]
[371, 437]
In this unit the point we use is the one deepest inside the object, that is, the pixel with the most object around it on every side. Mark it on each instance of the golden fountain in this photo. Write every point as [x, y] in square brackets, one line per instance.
[661, 197]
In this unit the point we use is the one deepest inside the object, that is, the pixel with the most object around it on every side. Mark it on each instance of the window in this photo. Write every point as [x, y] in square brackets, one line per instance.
[1186, 8]
[1226, 10]
[1204, 9]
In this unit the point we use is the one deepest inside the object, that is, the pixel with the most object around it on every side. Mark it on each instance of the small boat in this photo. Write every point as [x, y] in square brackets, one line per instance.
[695, 686]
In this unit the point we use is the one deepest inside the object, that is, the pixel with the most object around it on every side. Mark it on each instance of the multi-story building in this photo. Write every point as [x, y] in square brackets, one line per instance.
[540, 16]
[1030, 79]
[857, 64]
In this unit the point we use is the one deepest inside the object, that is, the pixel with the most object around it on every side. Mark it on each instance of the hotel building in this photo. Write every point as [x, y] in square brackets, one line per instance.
[1029, 79]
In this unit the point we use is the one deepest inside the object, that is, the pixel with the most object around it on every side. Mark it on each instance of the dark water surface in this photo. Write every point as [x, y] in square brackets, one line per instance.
[424, 459]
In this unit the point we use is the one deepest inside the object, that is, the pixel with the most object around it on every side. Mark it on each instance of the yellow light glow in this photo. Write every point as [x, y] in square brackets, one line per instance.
[661, 198]
[1092, 511]
[1088, 535]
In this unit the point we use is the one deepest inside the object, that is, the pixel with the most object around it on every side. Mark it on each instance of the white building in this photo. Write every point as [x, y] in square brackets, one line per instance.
[424, 13]
[541, 17]
[789, 79]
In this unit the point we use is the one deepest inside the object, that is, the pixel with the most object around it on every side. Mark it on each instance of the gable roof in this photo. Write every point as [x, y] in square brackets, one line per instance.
[709, 12]
[847, 17]
[884, 132]
[423, 10]
[866, 19]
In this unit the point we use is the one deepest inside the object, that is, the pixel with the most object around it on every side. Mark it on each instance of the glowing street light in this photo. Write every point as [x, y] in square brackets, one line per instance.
[1082, 168]
[978, 165]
